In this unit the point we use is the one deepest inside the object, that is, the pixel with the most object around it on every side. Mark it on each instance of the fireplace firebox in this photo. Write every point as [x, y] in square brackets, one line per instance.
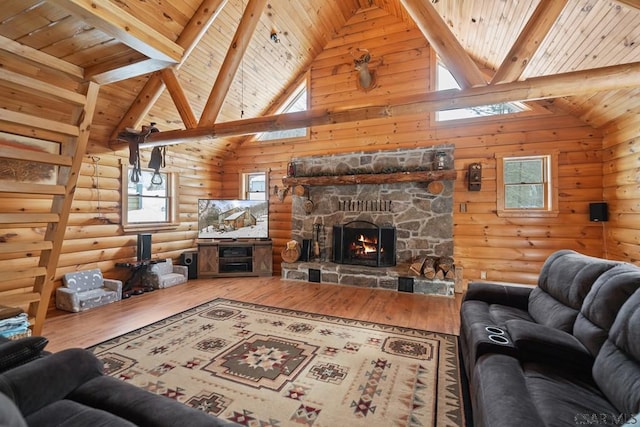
[364, 243]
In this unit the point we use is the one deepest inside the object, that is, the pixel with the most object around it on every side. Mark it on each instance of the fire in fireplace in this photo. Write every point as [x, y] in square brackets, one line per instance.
[364, 243]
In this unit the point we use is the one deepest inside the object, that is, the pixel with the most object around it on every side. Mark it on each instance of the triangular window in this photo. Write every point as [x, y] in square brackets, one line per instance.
[298, 101]
[444, 81]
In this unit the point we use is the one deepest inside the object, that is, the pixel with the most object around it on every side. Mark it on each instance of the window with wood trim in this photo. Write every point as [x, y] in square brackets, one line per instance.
[527, 185]
[254, 186]
[150, 201]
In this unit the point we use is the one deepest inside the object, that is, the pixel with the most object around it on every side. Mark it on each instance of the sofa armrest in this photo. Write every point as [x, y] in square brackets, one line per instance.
[14, 353]
[70, 295]
[181, 269]
[140, 406]
[495, 293]
[539, 343]
[114, 285]
[43, 381]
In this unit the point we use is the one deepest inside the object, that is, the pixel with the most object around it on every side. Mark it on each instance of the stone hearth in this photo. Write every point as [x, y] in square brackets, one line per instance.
[366, 277]
[421, 213]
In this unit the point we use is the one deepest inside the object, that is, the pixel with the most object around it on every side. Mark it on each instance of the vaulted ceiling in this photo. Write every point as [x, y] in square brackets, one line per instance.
[193, 64]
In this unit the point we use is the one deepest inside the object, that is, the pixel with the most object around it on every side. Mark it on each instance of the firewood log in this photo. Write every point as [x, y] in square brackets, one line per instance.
[429, 268]
[416, 267]
[445, 264]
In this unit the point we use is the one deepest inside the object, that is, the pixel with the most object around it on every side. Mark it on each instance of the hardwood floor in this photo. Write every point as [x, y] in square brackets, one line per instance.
[434, 313]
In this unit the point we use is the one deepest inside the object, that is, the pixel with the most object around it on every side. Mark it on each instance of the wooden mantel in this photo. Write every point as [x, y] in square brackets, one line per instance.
[372, 178]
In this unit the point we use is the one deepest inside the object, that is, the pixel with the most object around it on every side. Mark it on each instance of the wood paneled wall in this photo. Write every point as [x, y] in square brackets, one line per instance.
[621, 181]
[507, 249]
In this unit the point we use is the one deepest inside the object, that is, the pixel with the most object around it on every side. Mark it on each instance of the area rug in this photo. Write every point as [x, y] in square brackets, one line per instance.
[264, 366]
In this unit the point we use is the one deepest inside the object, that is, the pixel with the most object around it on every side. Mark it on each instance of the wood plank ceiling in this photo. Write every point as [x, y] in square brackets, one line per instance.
[168, 61]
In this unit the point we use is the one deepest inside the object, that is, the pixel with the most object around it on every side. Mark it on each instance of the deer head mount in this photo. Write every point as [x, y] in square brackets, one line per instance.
[366, 77]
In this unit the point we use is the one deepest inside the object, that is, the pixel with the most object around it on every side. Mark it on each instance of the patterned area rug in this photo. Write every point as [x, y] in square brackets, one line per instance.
[265, 366]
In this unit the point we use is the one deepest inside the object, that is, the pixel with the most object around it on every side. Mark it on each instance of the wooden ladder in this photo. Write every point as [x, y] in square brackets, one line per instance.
[56, 110]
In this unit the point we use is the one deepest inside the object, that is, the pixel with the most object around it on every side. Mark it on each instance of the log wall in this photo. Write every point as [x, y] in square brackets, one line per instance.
[621, 181]
[506, 249]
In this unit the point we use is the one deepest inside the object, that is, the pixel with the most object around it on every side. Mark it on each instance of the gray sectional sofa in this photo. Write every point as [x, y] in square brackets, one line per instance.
[564, 353]
[68, 389]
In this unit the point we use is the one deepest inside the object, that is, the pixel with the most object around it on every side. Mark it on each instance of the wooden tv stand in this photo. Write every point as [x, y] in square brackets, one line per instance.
[231, 258]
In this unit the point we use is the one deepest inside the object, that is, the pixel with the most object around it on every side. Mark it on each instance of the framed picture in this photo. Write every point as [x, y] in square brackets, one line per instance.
[17, 170]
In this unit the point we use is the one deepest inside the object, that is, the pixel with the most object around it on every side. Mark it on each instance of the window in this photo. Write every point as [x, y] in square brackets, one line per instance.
[151, 202]
[254, 186]
[444, 81]
[296, 102]
[527, 185]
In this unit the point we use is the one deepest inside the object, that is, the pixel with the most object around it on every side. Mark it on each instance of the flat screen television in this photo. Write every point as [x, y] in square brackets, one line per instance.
[233, 219]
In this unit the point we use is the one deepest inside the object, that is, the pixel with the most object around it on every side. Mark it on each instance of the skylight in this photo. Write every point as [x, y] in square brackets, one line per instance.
[296, 102]
[445, 80]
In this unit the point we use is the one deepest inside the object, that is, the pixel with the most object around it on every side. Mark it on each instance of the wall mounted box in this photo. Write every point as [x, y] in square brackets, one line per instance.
[598, 212]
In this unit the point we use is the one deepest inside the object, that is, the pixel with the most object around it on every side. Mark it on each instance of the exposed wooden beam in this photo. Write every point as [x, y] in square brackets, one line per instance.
[232, 61]
[444, 42]
[188, 39]
[536, 88]
[199, 24]
[115, 21]
[107, 73]
[632, 3]
[529, 40]
[179, 98]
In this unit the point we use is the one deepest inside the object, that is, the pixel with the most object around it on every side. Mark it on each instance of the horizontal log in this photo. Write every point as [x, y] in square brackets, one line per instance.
[536, 88]
[373, 178]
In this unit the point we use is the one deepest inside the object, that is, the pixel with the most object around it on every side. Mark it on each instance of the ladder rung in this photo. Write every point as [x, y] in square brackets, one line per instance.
[35, 156]
[19, 300]
[7, 248]
[28, 188]
[28, 217]
[23, 274]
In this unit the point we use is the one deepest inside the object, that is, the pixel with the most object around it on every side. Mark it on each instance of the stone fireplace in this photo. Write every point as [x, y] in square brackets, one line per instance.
[404, 193]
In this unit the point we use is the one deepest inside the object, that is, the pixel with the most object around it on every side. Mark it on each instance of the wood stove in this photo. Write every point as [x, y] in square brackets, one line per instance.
[364, 243]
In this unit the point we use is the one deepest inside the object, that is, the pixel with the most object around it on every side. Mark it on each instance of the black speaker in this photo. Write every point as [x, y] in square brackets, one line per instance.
[598, 212]
[190, 259]
[143, 252]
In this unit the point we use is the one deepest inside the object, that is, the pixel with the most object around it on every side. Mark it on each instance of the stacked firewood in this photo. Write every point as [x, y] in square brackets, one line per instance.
[440, 268]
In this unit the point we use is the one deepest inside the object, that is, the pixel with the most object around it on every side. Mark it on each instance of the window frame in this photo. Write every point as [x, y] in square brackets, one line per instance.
[550, 182]
[173, 210]
[244, 183]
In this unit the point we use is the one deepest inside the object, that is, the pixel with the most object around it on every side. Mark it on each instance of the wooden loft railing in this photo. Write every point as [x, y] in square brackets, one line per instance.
[34, 215]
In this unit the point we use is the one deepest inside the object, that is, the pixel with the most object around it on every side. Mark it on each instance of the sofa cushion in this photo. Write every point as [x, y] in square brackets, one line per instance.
[67, 413]
[565, 280]
[602, 304]
[83, 280]
[507, 393]
[561, 397]
[617, 366]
